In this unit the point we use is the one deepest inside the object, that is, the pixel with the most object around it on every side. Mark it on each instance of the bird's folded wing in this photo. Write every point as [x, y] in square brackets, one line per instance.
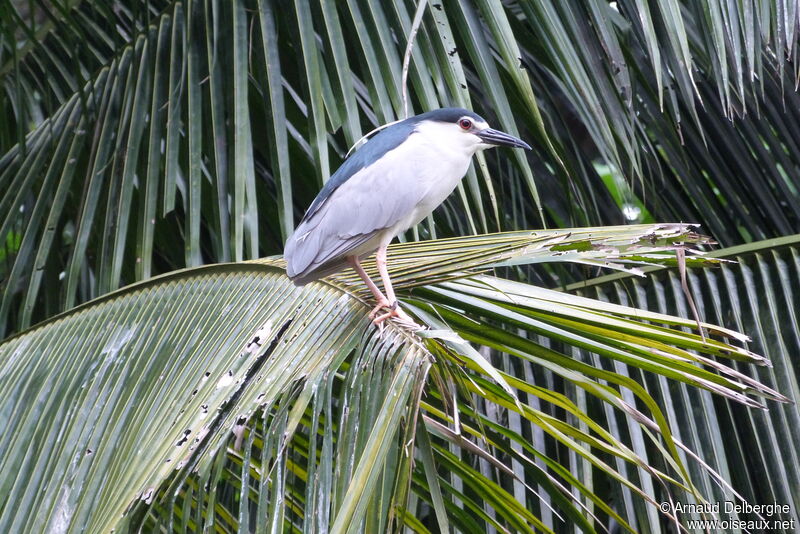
[372, 201]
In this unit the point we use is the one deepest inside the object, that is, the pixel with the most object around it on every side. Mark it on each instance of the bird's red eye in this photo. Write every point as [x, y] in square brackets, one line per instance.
[465, 124]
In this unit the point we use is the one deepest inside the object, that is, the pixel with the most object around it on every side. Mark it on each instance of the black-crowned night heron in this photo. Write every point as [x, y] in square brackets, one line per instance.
[390, 184]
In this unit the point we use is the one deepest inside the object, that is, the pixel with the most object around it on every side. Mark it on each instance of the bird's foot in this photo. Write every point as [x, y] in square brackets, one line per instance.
[382, 304]
[394, 311]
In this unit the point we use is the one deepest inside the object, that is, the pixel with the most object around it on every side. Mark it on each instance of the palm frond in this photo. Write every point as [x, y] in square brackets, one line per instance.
[169, 371]
[753, 449]
[250, 403]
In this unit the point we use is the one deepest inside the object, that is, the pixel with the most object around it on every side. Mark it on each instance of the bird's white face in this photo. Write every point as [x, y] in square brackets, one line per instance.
[465, 136]
[457, 136]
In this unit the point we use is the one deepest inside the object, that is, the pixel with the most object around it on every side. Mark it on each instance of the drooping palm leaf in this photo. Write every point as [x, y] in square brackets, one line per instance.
[757, 294]
[223, 395]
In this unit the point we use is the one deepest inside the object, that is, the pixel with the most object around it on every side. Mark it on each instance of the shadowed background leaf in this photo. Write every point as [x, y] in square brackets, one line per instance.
[141, 137]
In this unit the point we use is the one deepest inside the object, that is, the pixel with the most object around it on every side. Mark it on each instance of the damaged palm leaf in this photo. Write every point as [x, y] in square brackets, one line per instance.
[224, 397]
[615, 247]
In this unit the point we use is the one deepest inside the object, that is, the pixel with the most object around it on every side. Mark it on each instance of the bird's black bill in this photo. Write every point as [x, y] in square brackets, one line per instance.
[496, 137]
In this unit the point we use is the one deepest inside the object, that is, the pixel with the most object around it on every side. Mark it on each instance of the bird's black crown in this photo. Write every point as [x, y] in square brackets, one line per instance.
[447, 115]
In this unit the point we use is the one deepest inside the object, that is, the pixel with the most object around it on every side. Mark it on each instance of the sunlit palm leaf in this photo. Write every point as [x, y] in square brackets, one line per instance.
[150, 382]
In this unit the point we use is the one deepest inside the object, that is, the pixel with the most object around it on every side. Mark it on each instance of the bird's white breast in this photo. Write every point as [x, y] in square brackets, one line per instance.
[441, 156]
[402, 187]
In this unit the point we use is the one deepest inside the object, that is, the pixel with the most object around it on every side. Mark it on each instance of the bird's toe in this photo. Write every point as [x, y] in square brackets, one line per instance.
[394, 311]
[382, 305]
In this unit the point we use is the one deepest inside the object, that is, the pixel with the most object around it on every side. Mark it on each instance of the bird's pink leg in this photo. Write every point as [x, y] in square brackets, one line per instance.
[383, 302]
[394, 308]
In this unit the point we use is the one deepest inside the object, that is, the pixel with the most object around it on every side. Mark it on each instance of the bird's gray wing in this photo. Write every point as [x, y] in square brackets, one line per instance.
[373, 200]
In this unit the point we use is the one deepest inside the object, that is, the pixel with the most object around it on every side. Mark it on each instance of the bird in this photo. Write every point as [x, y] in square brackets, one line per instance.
[395, 180]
